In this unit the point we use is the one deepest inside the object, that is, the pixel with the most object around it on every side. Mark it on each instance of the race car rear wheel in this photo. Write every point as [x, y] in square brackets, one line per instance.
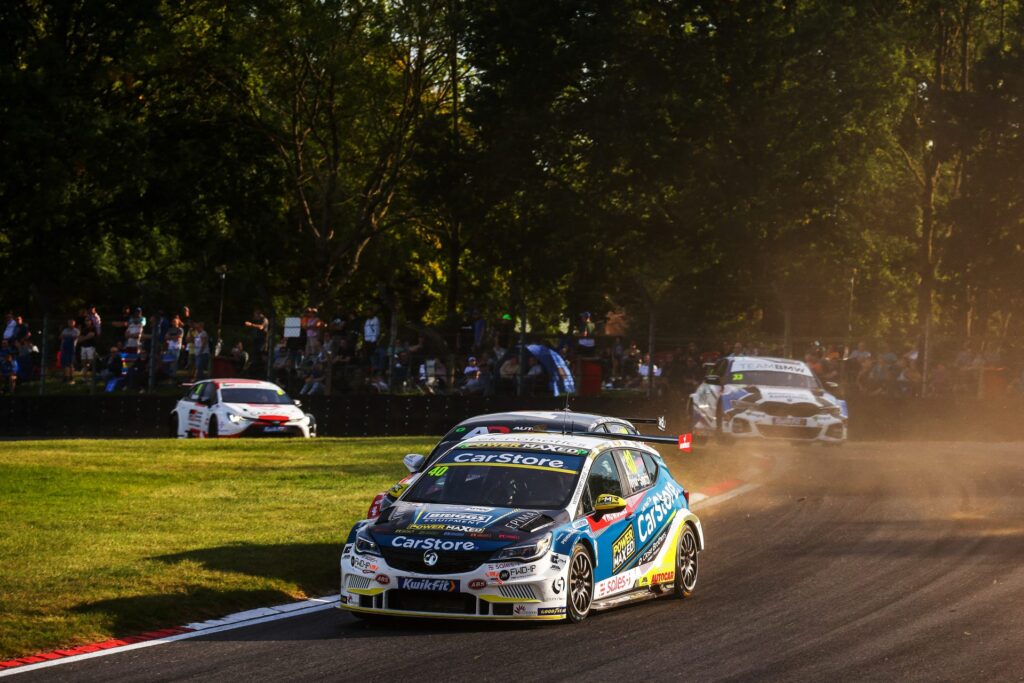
[173, 428]
[686, 563]
[580, 594]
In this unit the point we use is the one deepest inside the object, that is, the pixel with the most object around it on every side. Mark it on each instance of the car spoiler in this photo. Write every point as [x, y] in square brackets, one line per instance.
[660, 421]
[649, 438]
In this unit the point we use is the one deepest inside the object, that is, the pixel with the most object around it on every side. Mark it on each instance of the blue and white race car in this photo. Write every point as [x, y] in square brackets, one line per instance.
[526, 526]
[776, 398]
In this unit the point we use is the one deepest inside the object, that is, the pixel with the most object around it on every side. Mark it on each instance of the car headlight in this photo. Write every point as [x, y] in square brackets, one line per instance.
[236, 418]
[366, 545]
[526, 551]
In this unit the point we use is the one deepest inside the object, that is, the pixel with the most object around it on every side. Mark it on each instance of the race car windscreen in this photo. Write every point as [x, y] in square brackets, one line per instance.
[255, 395]
[769, 378]
[506, 477]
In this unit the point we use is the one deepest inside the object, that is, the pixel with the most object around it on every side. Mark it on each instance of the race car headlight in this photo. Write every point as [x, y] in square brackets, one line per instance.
[366, 545]
[236, 418]
[526, 551]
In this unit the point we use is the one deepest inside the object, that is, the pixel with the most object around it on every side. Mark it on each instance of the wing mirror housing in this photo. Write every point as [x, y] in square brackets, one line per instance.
[607, 504]
[298, 403]
[832, 385]
[413, 462]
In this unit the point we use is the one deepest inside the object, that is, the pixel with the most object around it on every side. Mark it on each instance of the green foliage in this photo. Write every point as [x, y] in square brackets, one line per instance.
[731, 167]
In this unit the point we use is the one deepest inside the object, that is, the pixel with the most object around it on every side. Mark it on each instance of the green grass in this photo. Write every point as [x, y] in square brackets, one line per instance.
[108, 538]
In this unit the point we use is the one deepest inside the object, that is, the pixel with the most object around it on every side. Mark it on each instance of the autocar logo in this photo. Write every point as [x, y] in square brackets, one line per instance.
[430, 558]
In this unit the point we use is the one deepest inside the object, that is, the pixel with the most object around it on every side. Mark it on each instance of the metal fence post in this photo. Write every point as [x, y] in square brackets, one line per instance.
[42, 355]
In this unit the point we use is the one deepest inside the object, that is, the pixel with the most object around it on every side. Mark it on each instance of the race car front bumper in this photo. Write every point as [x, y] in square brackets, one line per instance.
[755, 425]
[534, 590]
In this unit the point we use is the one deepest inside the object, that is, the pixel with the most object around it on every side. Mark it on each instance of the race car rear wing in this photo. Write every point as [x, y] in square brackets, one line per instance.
[660, 421]
[649, 438]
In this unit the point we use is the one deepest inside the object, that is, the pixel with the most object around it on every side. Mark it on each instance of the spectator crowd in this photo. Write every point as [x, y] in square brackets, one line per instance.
[352, 352]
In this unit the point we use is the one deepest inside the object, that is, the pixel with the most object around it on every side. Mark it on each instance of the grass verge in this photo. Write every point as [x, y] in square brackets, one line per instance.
[109, 538]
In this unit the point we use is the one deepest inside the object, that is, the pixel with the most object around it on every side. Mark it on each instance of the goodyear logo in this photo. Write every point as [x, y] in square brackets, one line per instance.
[436, 585]
[623, 548]
[551, 611]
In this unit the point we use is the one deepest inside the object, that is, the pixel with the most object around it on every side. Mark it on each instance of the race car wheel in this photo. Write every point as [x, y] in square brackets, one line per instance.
[580, 595]
[312, 425]
[211, 431]
[686, 563]
[719, 422]
[173, 427]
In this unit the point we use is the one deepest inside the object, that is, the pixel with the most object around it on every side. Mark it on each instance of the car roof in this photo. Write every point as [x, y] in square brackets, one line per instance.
[243, 383]
[549, 418]
[593, 444]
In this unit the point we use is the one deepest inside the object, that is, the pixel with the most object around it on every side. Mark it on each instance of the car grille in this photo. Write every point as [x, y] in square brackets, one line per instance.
[447, 563]
[429, 601]
[791, 409]
[784, 432]
[513, 590]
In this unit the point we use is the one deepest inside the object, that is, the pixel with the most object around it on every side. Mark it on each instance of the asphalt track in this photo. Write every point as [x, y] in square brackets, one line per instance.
[877, 561]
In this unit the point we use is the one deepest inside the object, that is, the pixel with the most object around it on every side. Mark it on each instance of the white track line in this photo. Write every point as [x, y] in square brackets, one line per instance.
[202, 629]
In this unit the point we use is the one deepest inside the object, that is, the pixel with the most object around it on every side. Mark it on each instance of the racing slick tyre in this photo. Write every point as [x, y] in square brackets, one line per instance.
[580, 594]
[686, 563]
[312, 425]
[211, 431]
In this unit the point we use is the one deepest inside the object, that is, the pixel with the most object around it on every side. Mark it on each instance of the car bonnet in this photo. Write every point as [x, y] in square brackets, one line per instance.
[487, 528]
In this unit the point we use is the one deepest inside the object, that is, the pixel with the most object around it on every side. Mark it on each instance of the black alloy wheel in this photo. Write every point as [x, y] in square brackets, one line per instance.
[580, 591]
[686, 563]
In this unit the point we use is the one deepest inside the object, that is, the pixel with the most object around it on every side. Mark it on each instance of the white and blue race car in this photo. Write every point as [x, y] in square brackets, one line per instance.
[776, 398]
[526, 526]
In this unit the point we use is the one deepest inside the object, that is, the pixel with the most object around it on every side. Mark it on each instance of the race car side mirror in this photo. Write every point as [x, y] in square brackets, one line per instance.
[298, 403]
[831, 385]
[413, 462]
[711, 379]
[608, 504]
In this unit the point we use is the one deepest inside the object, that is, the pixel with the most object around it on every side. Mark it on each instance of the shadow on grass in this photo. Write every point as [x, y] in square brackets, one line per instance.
[312, 567]
[134, 615]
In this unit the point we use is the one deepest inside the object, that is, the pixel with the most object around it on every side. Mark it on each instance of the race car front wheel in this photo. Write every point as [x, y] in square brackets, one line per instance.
[686, 563]
[173, 428]
[580, 595]
[211, 431]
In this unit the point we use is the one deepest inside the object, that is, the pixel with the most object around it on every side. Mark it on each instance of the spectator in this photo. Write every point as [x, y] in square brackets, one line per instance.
[173, 343]
[68, 341]
[111, 367]
[21, 331]
[138, 371]
[133, 331]
[97, 322]
[240, 359]
[860, 353]
[371, 336]
[10, 327]
[8, 372]
[585, 334]
[26, 354]
[314, 384]
[737, 350]
[201, 342]
[259, 326]
[432, 374]
[87, 344]
[474, 384]
[312, 325]
[508, 373]
[471, 366]
[536, 378]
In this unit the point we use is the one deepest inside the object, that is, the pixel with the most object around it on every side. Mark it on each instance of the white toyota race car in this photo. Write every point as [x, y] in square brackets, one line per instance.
[239, 407]
[776, 398]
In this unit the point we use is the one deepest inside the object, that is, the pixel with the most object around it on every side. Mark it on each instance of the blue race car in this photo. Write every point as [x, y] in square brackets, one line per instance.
[526, 526]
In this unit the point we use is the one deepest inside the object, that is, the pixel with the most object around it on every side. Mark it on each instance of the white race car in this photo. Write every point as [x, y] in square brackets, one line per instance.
[775, 398]
[239, 407]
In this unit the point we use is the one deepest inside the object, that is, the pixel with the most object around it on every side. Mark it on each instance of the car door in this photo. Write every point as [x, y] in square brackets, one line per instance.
[198, 414]
[613, 532]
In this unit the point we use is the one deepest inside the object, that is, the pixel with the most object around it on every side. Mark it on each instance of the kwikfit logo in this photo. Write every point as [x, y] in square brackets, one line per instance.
[440, 585]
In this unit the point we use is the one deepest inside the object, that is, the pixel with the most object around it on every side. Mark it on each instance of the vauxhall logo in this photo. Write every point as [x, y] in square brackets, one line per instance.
[430, 558]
